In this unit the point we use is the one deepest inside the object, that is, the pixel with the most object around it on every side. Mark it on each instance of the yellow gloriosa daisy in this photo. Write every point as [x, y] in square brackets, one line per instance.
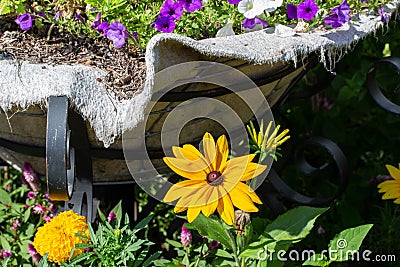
[214, 182]
[264, 141]
[58, 236]
[391, 188]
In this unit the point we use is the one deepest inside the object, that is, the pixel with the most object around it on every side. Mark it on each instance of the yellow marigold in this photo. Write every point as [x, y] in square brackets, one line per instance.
[58, 237]
[214, 181]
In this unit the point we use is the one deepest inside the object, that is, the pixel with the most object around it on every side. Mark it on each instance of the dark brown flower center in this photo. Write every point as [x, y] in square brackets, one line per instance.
[214, 178]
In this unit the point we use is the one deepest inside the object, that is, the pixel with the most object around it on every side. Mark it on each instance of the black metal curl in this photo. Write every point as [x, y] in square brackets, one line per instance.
[340, 160]
[373, 87]
[68, 158]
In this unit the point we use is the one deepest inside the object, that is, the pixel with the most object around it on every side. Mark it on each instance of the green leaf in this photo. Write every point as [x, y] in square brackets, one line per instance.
[151, 259]
[6, 6]
[347, 242]
[213, 229]
[4, 243]
[5, 197]
[143, 223]
[294, 225]
[174, 243]
[317, 260]
[253, 250]
[43, 261]
[118, 212]
[27, 214]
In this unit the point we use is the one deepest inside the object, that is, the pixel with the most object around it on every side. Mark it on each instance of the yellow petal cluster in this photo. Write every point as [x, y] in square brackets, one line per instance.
[58, 236]
[214, 182]
[266, 140]
[391, 188]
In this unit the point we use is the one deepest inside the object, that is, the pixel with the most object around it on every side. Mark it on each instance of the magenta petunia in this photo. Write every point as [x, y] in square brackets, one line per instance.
[25, 21]
[307, 10]
[191, 5]
[251, 23]
[117, 33]
[6, 253]
[172, 9]
[31, 195]
[291, 11]
[339, 15]
[165, 24]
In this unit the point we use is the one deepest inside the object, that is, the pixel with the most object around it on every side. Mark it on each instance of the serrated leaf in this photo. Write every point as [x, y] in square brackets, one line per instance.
[347, 242]
[317, 260]
[5, 197]
[213, 229]
[294, 225]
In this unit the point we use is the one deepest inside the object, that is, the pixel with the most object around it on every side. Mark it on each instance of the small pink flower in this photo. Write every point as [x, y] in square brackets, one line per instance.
[26, 206]
[7, 187]
[53, 208]
[30, 177]
[31, 195]
[111, 216]
[47, 218]
[7, 253]
[213, 245]
[39, 209]
[186, 236]
[12, 228]
[34, 254]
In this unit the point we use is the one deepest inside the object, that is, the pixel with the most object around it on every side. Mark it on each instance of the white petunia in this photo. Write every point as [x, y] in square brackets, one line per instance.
[252, 8]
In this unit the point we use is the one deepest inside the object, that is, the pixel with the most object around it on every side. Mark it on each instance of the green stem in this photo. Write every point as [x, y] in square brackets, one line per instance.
[234, 247]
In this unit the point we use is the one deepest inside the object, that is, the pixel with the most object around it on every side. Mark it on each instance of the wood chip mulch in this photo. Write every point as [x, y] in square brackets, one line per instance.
[125, 68]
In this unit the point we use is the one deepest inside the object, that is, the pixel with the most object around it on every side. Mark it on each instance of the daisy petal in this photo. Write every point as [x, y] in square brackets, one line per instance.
[249, 191]
[209, 150]
[187, 169]
[242, 201]
[179, 209]
[222, 152]
[192, 213]
[393, 171]
[225, 209]
[212, 202]
[183, 188]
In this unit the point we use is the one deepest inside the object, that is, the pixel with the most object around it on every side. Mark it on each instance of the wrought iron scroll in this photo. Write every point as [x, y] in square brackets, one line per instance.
[373, 87]
[68, 158]
[284, 190]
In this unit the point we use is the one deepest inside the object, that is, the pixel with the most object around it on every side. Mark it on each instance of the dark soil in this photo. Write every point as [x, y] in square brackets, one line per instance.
[125, 67]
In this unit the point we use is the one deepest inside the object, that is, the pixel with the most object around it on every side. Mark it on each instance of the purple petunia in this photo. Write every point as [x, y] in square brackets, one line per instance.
[234, 2]
[251, 23]
[339, 15]
[79, 18]
[191, 5]
[291, 11]
[98, 25]
[25, 21]
[117, 33]
[172, 9]
[307, 10]
[383, 14]
[57, 16]
[165, 24]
